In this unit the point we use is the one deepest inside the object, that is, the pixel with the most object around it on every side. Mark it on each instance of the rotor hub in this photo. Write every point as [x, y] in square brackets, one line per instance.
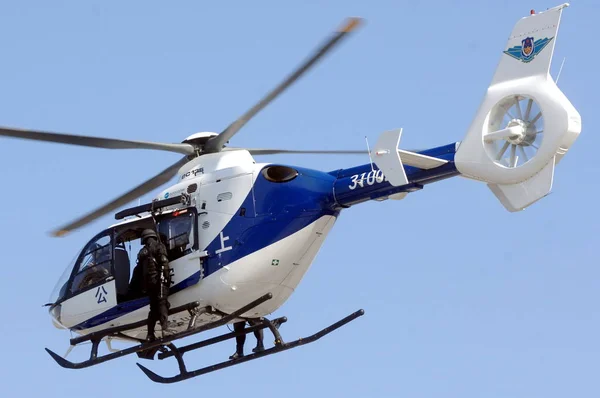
[521, 135]
[199, 138]
[530, 134]
[198, 141]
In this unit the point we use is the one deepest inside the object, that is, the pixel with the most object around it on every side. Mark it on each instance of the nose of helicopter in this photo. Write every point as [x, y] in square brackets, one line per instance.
[54, 312]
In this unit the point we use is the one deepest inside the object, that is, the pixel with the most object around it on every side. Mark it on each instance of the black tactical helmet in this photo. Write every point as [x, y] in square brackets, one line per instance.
[148, 233]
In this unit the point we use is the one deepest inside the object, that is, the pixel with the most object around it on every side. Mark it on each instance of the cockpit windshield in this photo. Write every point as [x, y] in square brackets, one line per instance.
[61, 286]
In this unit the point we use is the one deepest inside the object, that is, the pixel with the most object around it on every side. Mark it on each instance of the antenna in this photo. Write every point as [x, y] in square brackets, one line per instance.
[560, 70]
[369, 151]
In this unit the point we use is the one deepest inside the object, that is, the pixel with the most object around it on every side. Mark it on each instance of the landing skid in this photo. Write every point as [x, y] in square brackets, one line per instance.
[148, 349]
[280, 346]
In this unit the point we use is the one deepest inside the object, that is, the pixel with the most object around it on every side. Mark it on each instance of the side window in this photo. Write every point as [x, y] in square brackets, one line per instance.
[94, 266]
[177, 231]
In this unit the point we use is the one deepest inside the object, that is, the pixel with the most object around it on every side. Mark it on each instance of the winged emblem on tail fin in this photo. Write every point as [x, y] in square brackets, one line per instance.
[528, 49]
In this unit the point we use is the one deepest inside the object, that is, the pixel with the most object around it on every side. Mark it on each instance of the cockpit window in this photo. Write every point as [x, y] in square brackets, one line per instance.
[94, 266]
[96, 253]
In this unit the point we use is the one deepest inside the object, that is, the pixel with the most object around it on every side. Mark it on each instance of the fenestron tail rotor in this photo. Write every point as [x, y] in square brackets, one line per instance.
[515, 132]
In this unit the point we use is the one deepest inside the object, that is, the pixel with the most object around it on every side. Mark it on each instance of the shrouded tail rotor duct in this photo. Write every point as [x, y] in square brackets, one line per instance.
[520, 128]
[514, 131]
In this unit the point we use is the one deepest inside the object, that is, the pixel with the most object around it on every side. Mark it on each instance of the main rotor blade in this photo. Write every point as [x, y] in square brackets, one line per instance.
[96, 142]
[261, 151]
[409, 158]
[215, 144]
[154, 182]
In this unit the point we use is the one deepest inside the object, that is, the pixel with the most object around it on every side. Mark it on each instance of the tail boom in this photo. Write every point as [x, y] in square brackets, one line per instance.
[521, 131]
[369, 182]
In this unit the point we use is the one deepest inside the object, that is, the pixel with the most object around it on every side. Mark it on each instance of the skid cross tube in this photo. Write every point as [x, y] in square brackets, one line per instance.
[184, 374]
[213, 340]
[94, 360]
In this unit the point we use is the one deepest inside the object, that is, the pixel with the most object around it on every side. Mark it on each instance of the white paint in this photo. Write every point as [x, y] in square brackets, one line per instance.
[223, 247]
[201, 134]
[87, 305]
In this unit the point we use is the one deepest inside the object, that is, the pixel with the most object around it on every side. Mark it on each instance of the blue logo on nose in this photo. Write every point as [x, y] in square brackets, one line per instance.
[167, 195]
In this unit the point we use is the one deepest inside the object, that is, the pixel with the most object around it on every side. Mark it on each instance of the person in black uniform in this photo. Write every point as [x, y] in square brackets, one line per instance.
[154, 264]
[241, 339]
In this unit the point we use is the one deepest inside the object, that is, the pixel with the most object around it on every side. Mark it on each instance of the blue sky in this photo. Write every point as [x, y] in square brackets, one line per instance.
[462, 298]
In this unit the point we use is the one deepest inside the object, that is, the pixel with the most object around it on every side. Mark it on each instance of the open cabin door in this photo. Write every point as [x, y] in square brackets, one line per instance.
[178, 232]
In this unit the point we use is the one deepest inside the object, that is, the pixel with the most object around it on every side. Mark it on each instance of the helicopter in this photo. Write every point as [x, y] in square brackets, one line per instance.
[240, 235]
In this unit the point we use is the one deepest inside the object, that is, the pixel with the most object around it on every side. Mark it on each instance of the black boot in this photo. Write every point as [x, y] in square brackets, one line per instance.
[239, 352]
[259, 341]
[151, 336]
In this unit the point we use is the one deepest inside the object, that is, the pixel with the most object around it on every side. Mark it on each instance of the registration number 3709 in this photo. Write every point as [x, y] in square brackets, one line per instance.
[370, 178]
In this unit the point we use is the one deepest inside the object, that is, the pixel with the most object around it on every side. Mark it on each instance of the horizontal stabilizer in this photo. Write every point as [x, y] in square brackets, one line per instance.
[420, 161]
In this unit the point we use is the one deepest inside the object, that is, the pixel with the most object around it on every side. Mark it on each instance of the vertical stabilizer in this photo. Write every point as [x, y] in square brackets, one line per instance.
[525, 124]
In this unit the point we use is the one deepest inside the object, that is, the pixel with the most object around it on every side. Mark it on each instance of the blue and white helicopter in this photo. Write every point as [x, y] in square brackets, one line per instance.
[241, 235]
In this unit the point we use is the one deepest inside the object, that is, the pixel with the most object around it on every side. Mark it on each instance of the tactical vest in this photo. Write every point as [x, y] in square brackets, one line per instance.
[155, 265]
